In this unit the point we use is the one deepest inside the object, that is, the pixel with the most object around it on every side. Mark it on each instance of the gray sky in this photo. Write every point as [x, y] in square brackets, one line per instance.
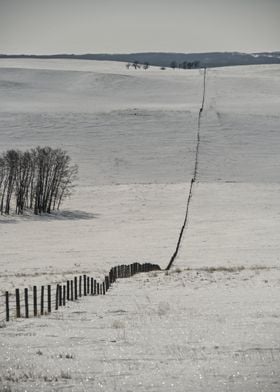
[115, 26]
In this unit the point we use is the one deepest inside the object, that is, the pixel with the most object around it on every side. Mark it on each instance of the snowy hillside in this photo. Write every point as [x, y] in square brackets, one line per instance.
[133, 129]
[235, 209]
[212, 322]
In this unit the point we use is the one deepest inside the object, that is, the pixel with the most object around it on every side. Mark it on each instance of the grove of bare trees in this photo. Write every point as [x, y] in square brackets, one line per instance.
[185, 65]
[38, 180]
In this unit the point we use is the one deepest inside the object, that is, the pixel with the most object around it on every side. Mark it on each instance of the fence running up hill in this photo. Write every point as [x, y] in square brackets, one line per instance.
[42, 300]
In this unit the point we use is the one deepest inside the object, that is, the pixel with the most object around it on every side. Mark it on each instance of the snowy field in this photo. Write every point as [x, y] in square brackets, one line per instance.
[133, 135]
[212, 323]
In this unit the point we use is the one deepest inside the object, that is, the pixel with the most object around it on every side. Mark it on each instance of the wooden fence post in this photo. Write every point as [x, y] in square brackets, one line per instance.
[104, 288]
[88, 285]
[56, 297]
[111, 276]
[94, 287]
[76, 287]
[80, 286]
[17, 303]
[64, 295]
[7, 306]
[35, 301]
[97, 288]
[42, 299]
[26, 303]
[49, 298]
[60, 295]
[91, 286]
[72, 290]
[107, 283]
[68, 290]
[85, 285]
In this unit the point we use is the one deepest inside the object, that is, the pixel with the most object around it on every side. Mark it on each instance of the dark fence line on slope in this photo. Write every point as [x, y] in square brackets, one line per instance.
[42, 300]
[194, 178]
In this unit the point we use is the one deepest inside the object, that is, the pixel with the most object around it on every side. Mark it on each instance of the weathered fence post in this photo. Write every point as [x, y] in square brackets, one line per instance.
[76, 287]
[107, 283]
[26, 303]
[64, 295]
[68, 290]
[94, 287]
[97, 288]
[104, 288]
[17, 303]
[42, 299]
[80, 286]
[56, 297]
[85, 285]
[7, 306]
[60, 294]
[35, 301]
[72, 291]
[91, 286]
[111, 276]
[49, 298]
[88, 285]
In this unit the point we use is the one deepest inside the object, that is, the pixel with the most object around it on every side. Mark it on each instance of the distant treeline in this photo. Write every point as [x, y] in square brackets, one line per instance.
[164, 59]
[184, 65]
[38, 179]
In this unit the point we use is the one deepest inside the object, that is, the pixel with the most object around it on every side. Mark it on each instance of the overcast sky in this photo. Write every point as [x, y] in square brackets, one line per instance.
[121, 26]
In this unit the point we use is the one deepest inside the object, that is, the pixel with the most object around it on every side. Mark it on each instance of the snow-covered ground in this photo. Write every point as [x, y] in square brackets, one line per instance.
[234, 217]
[188, 331]
[134, 145]
[214, 326]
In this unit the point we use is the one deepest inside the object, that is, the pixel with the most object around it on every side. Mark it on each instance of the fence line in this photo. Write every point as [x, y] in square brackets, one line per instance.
[194, 177]
[42, 300]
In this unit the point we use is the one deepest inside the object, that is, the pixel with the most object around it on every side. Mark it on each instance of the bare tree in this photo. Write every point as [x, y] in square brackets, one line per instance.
[136, 64]
[173, 64]
[184, 65]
